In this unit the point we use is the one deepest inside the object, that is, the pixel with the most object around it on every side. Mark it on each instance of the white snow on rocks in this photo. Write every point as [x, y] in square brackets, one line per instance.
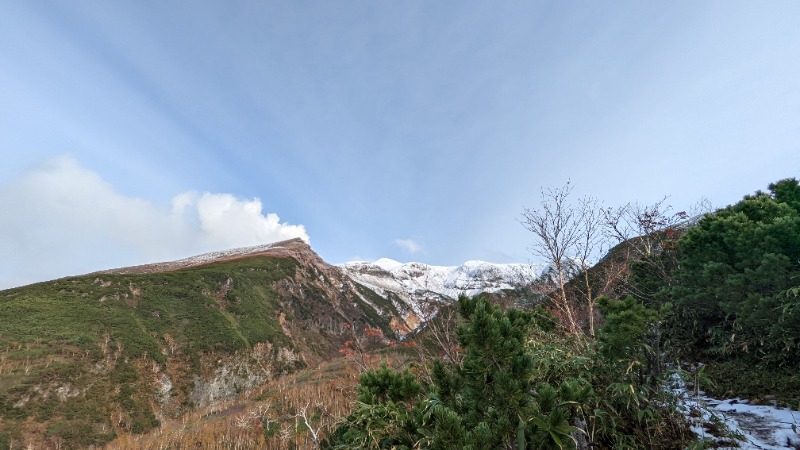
[746, 426]
[417, 284]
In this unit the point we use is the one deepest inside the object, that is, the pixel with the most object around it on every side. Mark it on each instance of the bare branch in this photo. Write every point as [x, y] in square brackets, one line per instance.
[556, 227]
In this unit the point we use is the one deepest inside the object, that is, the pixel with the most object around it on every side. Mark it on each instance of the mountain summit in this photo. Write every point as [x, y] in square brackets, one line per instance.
[294, 248]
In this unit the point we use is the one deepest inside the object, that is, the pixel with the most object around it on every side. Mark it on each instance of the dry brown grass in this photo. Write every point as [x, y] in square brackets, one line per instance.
[272, 416]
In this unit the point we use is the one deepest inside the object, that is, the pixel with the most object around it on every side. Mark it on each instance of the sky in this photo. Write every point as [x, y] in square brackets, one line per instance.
[136, 132]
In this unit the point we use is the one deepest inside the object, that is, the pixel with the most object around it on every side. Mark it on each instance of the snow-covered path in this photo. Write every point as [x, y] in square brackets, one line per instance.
[748, 426]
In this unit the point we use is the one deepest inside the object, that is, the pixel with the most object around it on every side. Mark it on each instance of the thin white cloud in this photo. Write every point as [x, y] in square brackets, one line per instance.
[409, 245]
[61, 219]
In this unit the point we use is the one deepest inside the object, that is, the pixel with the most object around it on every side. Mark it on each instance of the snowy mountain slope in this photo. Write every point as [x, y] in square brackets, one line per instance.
[417, 284]
[414, 289]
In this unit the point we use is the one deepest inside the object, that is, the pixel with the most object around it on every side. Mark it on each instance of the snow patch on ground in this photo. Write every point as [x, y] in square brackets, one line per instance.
[735, 423]
[760, 426]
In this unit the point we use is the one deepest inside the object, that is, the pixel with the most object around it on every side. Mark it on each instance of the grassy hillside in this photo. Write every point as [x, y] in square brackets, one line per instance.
[84, 359]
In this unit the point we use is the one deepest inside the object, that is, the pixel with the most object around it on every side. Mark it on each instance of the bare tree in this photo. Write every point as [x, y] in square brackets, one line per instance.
[557, 228]
[572, 236]
[700, 208]
[439, 339]
[359, 349]
[647, 232]
[588, 246]
[323, 420]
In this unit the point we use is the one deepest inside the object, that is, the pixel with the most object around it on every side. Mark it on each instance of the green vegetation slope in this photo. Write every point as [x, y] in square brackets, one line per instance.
[85, 358]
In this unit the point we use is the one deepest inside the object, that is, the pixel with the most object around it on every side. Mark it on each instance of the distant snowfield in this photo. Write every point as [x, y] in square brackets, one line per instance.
[417, 284]
[470, 278]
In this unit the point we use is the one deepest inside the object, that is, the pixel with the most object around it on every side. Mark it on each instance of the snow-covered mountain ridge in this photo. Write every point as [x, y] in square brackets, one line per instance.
[416, 290]
[417, 284]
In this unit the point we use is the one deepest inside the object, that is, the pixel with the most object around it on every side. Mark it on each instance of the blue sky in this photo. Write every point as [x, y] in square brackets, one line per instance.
[133, 132]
